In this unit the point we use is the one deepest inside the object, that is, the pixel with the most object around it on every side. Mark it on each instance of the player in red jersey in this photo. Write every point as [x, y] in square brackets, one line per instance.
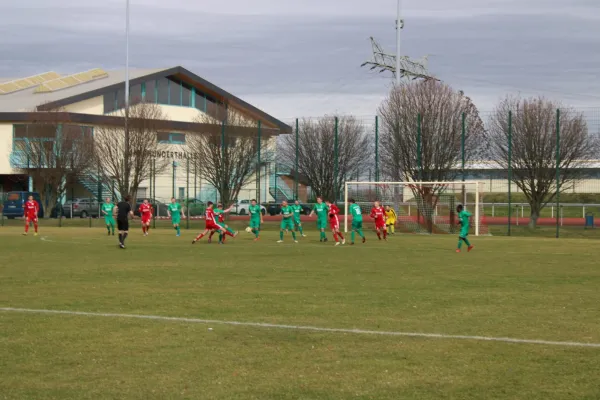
[146, 212]
[378, 214]
[211, 224]
[334, 223]
[31, 209]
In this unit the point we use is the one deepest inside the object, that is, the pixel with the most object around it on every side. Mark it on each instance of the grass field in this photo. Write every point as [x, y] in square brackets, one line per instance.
[521, 288]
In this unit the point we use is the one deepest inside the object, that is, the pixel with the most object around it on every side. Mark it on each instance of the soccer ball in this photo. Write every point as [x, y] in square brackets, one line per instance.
[249, 230]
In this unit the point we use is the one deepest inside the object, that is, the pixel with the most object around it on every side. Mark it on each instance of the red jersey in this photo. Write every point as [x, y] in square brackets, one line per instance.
[333, 211]
[145, 210]
[210, 215]
[31, 208]
[378, 213]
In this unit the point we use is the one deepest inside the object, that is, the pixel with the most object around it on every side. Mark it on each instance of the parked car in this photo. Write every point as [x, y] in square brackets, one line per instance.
[196, 208]
[13, 205]
[82, 208]
[160, 209]
[275, 209]
[241, 208]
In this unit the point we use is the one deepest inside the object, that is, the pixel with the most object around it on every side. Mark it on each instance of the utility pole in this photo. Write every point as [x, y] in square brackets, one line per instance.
[399, 24]
[126, 125]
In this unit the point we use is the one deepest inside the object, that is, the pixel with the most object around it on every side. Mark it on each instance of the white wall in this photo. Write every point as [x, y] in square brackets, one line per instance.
[90, 106]
[6, 136]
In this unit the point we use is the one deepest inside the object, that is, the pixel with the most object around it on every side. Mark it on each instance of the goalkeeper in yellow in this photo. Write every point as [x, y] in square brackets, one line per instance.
[390, 219]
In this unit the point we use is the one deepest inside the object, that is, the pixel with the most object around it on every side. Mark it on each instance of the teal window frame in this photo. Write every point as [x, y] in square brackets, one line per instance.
[171, 140]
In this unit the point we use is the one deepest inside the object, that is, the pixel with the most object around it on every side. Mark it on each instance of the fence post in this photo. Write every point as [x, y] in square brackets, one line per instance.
[275, 180]
[557, 169]
[296, 191]
[154, 191]
[419, 147]
[258, 169]
[493, 215]
[174, 177]
[187, 196]
[335, 159]
[509, 169]
[462, 154]
[223, 166]
[583, 212]
[376, 148]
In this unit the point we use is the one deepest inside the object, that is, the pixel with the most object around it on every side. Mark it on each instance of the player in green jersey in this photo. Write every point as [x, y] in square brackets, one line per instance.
[287, 221]
[463, 220]
[175, 211]
[357, 221]
[297, 209]
[256, 218]
[220, 214]
[321, 210]
[107, 210]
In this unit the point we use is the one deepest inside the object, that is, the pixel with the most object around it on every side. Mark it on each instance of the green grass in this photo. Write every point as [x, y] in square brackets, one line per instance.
[529, 288]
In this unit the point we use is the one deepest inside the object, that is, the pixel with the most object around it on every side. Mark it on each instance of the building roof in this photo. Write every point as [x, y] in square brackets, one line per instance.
[28, 101]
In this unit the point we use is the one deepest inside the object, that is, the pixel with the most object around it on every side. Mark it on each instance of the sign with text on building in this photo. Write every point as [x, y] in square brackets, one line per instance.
[173, 155]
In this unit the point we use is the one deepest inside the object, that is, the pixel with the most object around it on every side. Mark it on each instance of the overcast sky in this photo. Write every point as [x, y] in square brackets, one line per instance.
[302, 58]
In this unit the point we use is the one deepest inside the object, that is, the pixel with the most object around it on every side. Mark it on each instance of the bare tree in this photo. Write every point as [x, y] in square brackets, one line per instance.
[225, 153]
[129, 164]
[53, 152]
[317, 152]
[534, 141]
[422, 128]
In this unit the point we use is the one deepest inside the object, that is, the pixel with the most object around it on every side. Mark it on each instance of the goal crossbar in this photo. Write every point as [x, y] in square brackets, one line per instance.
[473, 185]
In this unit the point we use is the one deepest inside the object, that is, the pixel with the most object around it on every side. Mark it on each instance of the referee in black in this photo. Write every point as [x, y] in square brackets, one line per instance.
[123, 213]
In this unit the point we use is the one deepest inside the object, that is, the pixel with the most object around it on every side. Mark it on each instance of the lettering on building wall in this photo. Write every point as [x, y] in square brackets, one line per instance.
[176, 155]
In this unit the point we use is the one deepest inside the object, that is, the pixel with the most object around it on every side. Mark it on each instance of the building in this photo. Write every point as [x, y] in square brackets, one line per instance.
[95, 99]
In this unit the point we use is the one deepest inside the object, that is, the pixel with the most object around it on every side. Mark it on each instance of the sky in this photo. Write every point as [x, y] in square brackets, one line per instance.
[302, 58]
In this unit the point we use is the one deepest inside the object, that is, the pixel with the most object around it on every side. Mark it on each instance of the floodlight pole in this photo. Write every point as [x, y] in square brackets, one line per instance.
[126, 125]
[398, 28]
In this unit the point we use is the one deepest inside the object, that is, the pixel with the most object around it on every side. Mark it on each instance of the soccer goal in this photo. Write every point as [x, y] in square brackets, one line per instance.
[421, 207]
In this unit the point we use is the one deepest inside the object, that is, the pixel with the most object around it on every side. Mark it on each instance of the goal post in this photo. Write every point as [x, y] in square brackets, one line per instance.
[421, 207]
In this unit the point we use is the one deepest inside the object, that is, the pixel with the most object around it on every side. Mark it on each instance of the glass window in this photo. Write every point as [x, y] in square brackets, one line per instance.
[163, 91]
[150, 94]
[177, 138]
[163, 137]
[200, 101]
[135, 94]
[19, 131]
[174, 93]
[109, 102]
[181, 193]
[186, 95]
[120, 98]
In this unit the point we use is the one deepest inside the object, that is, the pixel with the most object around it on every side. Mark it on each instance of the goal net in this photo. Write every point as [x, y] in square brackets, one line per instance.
[421, 207]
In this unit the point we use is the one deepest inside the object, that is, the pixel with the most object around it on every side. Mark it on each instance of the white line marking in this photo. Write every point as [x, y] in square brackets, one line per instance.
[306, 328]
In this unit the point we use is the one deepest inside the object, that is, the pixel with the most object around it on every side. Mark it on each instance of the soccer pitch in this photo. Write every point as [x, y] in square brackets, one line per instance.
[403, 319]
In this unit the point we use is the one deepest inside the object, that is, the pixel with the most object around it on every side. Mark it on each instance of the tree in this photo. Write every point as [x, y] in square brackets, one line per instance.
[534, 140]
[128, 163]
[53, 152]
[421, 140]
[225, 153]
[317, 152]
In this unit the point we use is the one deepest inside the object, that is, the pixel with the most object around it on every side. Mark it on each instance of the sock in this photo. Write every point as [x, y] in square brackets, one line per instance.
[352, 236]
[221, 237]
[385, 233]
[211, 234]
[120, 238]
[112, 227]
[124, 237]
[294, 235]
[230, 230]
[178, 230]
[256, 232]
[147, 228]
[378, 235]
[323, 235]
[360, 232]
[340, 235]
[467, 241]
[335, 237]
[228, 233]
[27, 227]
[143, 229]
[300, 229]
[280, 235]
[108, 228]
[392, 228]
[459, 243]
[200, 236]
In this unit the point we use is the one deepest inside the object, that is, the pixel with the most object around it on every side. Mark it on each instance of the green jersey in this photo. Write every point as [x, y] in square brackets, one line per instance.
[254, 212]
[297, 209]
[107, 209]
[356, 212]
[287, 212]
[321, 210]
[174, 209]
[463, 216]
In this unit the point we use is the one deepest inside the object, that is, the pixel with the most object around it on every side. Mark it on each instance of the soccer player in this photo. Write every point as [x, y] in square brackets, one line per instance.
[108, 209]
[220, 213]
[211, 224]
[390, 219]
[31, 208]
[124, 212]
[463, 221]
[334, 222]
[357, 221]
[297, 209]
[378, 214]
[175, 211]
[256, 218]
[320, 209]
[146, 216]
[287, 221]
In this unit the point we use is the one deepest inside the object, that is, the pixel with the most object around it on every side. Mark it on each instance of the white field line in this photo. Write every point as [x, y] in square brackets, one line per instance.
[306, 328]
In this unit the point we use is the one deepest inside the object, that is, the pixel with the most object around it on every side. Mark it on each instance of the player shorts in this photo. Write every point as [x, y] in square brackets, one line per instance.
[146, 220]
[297, 222]
[212, 226]
[175, 220]
[109, 220]
[356, 225]
[321, 223]
[254, 223]
[287, 224]
[464, 232]
[123, 225]
[334, 224]
[31, 218]
[379, 224]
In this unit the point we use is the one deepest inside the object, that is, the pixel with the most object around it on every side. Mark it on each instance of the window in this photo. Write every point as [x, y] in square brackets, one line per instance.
[186, 95]
[142, 192]
[120, 100]
[171, 138]
[135, 94]
[163, 91]
[200, 101]
[174, 93]
[181, 193]
[109, 102]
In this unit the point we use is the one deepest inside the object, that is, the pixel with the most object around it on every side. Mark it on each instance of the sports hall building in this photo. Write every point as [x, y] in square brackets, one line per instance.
[94, 99]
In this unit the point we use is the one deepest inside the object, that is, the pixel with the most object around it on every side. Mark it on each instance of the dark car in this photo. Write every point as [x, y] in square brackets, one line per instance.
[160, 209]
[13, 205]
[275, 208]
